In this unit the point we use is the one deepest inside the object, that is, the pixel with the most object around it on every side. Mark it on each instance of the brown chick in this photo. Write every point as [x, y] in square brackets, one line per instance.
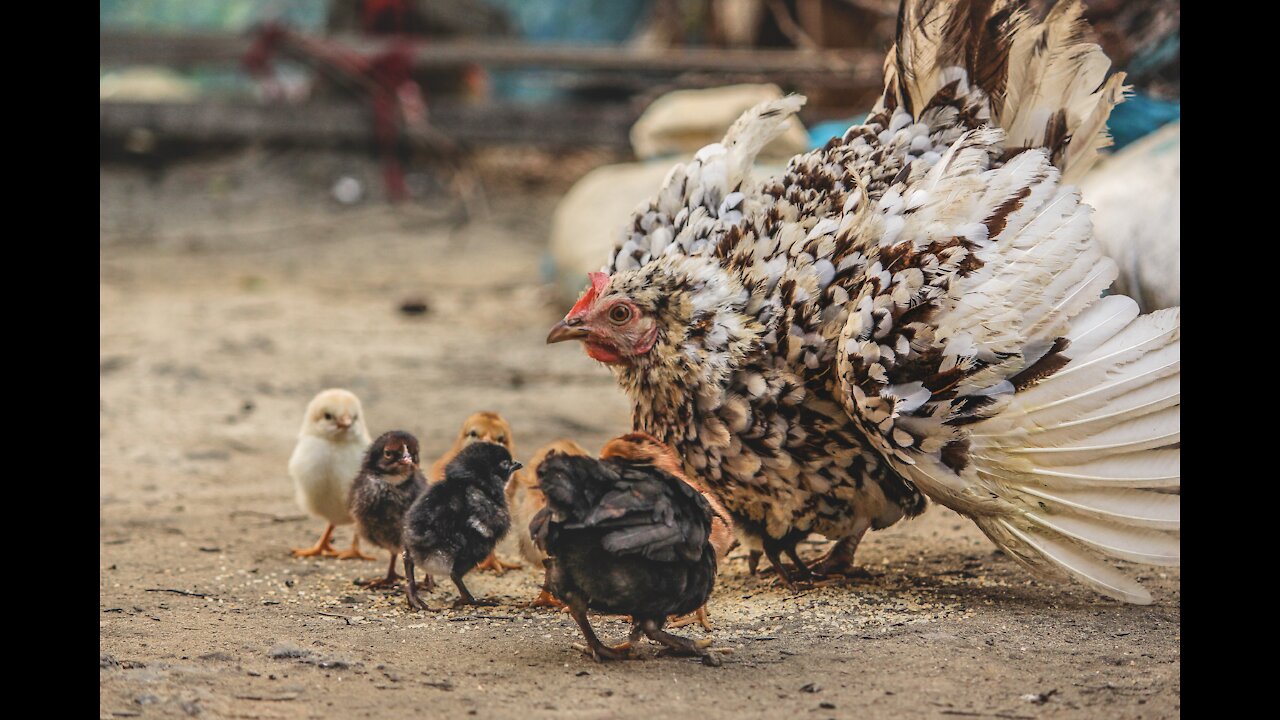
[643, 446]
[525, 499]
[479, 427]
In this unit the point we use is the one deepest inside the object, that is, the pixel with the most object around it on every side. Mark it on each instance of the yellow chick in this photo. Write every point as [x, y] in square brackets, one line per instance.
[326, 460]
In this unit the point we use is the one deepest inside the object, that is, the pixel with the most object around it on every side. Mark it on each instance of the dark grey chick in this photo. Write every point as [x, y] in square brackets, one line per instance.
[390, 480]
[457, 522]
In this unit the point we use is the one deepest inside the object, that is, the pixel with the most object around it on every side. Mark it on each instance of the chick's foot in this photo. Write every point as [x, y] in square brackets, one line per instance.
[353, 552]
[322, 547]
[676, 645]
[546, 600]
[498, 567]
[698, 616]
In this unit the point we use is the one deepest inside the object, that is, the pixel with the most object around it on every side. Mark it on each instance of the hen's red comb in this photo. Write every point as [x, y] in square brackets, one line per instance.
[598, 281]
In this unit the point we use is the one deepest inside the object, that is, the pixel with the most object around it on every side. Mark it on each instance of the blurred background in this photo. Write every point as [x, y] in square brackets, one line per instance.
[330, 105]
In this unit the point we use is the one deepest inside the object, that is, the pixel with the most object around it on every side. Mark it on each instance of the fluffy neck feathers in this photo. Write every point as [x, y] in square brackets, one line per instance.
[704, 335]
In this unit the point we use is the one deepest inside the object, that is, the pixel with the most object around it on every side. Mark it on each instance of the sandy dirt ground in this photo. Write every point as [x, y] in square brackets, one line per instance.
[228, 301]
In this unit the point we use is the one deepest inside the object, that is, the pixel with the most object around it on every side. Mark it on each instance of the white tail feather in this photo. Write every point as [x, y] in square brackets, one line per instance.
[1070, 558]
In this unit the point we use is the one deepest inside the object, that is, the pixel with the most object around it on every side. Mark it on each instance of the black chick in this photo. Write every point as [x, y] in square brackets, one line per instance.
[390, 480]
[457, 522]
[625, 538]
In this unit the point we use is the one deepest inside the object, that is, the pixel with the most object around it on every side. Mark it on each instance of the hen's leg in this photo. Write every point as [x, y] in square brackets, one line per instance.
[353, 552]
[677, 645]
[496, 566]
[787, 575]
[839, 560]
[322, 546]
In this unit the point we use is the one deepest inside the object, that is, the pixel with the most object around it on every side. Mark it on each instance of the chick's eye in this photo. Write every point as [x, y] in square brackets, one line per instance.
[473, 433]
[619, 314]
[328, 416]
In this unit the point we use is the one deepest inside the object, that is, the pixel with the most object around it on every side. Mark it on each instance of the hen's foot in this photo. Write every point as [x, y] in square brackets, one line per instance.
[839, 560]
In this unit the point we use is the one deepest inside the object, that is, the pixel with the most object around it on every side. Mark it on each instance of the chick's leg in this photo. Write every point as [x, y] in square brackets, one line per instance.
[676, 645]
[698, 616]
[411, 593]
[389, 581]
[496, 566]
[353, 552]
[545, 599]
[322, 546]
[466, 597]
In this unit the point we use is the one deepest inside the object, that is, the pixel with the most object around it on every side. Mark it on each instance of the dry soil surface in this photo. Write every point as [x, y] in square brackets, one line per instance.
[225, 306]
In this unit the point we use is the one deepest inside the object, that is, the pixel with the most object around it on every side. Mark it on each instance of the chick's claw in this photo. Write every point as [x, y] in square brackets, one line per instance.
[699, 616]
[353, 552]
[323, 547]
[498, 567]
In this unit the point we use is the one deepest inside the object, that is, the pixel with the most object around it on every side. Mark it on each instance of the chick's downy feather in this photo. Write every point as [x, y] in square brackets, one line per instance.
[327, 457]
[624, 537]
[388, 483]
[457, 521]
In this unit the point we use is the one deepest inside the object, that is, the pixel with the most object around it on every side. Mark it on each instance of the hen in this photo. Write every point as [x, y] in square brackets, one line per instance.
[625, 537]
[914, 310]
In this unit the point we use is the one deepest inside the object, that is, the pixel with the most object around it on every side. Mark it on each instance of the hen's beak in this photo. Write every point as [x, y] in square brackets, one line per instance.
[565, 330]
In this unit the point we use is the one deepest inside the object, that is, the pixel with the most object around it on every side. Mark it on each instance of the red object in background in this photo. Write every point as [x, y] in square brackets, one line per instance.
[387, 78]
[379, 17]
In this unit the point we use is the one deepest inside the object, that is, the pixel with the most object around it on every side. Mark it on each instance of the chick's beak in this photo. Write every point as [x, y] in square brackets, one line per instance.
[516, 465]
[567, 330]
[344, 422]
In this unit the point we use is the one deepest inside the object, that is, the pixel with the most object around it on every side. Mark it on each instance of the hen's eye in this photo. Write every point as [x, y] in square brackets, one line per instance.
[619, 314]
[388, 453]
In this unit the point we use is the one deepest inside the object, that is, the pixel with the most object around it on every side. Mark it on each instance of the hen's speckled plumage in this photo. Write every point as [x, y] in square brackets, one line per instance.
[912, 310]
